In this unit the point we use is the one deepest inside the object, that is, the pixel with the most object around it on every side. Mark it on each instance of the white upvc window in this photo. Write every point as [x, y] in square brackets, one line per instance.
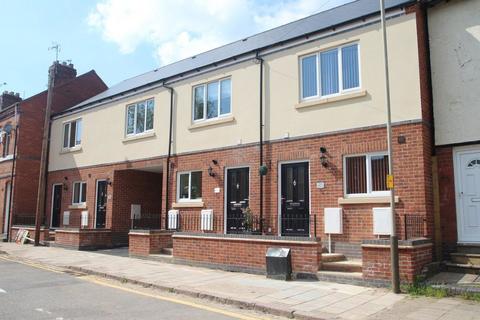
[212, 100]
[330, 72]
[79, 192]
[366, 174]
[139, 117]
[72, 134]
[189, 186]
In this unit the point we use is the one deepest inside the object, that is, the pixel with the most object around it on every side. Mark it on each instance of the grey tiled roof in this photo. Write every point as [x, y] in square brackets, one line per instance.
[314, 23]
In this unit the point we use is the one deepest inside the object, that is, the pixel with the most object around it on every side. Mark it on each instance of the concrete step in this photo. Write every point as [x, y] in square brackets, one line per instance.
[462, 267]
[468, 248]
[167, 251]
[465, 258]
[351, 266]
[332, 257]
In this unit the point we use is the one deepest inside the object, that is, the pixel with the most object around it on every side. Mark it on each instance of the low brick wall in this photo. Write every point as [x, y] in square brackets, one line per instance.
[83, 239]
[146, 242]
[413, 256]
[44, 232]
[245, 252]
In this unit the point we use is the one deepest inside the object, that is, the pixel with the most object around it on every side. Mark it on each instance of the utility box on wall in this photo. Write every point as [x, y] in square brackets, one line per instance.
[382, 221]
[333, 220]
[279, 263]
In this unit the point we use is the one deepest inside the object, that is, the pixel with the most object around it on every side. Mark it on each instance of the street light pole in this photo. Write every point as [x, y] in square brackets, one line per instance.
[390, 180]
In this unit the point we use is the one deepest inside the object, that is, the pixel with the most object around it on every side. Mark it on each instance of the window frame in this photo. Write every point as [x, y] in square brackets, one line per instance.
[368, 172]
[205, 98]
[179, 173]
[82, 183]
[341, 91]
[69, 123]
[145, 131]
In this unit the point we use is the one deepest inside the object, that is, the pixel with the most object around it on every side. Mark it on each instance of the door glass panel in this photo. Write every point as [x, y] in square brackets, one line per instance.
[289, 184]
[301, 184]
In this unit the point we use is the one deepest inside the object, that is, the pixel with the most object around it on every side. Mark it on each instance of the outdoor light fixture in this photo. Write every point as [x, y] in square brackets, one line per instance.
[210, 172]
[215, 162]
[109, 182]
[65, 185]
[323, 157]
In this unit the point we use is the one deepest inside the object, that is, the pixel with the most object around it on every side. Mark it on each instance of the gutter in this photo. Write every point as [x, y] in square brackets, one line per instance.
[261, 127]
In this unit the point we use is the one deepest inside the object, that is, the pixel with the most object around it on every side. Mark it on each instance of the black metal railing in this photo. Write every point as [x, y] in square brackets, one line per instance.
[146, 221]
[299, 225]
[414, 225]
[24, 220]
[245, 225]
[193, 223]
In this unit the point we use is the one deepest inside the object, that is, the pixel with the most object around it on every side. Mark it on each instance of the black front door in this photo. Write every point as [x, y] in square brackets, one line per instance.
[56, 205]
[295, 199]
[101, 209]
[237, 199]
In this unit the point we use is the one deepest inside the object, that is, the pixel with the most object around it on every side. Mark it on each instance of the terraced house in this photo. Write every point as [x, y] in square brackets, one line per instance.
[277, 139]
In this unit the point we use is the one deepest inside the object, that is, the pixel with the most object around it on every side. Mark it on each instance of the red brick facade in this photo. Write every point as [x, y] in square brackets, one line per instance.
[30, 120]
[412, 259]
[146, 242]
[245, 253]
[83, 239]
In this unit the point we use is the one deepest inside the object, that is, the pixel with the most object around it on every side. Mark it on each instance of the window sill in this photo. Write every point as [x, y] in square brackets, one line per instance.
[139, 137]
[366, 200]
[193, 204]
[322, 101]
[6, 158]
[69, 150]
[77, 206]
[208, 123]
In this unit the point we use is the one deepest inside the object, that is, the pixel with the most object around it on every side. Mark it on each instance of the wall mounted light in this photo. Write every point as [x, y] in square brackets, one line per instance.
[215, 162]
[210, 172]
[323, 157]
[64, 184]
[109, 182]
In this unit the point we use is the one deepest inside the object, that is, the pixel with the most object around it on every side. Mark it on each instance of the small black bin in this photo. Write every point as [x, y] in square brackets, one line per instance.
[279, 263]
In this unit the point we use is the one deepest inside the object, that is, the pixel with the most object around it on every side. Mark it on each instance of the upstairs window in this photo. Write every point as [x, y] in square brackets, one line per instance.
[330, 72]
[212, 100]
[189, 186]
[79, 192]
[72, 134]
[366, 174]
[140, 117]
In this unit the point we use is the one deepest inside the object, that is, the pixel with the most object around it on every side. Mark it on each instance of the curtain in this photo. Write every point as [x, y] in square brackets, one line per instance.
[350, 74]
[329, 72]
[309, 76]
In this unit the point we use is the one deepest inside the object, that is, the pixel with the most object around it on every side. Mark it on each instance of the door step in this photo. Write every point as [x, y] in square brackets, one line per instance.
[167, 251]
[332, 257]
[465, 258]
[353, 266]
[473, 248]
[462, 267]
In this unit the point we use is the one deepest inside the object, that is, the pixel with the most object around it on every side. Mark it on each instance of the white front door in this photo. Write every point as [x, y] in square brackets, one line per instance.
[467, 187]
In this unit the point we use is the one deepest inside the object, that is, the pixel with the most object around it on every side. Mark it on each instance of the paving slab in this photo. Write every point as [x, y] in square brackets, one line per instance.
[299, 299]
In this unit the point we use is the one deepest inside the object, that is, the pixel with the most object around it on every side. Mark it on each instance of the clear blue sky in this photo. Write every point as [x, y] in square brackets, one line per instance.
[121, 39]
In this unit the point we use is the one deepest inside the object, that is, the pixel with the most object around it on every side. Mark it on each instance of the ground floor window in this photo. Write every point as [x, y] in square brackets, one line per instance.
[366, 174]
[189, 186]
[79, 192]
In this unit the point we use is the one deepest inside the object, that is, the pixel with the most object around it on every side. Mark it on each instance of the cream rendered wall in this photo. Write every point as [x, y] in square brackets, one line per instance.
[104, 126]
[454, 29]
[103, 137]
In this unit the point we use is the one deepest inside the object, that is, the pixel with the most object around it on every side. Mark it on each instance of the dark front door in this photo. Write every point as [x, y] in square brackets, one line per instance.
[295, 199]
[101, 209]
[237, 199]
[56, 205]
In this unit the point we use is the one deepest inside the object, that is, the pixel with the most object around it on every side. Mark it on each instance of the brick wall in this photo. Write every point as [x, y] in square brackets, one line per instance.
[412, 259]
[446, 185]
[144, 243]
[83, 239]
[244, 254]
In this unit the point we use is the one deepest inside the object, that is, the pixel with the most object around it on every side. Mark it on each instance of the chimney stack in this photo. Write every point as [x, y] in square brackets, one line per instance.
[9, 98]
[64, 72]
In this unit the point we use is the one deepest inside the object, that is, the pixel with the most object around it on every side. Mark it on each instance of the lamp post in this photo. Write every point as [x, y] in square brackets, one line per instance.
[390, 180]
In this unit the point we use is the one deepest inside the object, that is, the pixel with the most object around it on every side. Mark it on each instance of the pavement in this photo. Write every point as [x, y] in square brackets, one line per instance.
[295, 299]
[456, 282]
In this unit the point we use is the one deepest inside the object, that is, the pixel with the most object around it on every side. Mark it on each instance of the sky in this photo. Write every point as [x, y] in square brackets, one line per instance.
[120, 39]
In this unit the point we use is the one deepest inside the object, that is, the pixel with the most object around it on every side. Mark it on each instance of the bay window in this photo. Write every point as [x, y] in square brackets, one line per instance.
[140, 117]
[212, 100]
[330, 72]
[366, 174]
